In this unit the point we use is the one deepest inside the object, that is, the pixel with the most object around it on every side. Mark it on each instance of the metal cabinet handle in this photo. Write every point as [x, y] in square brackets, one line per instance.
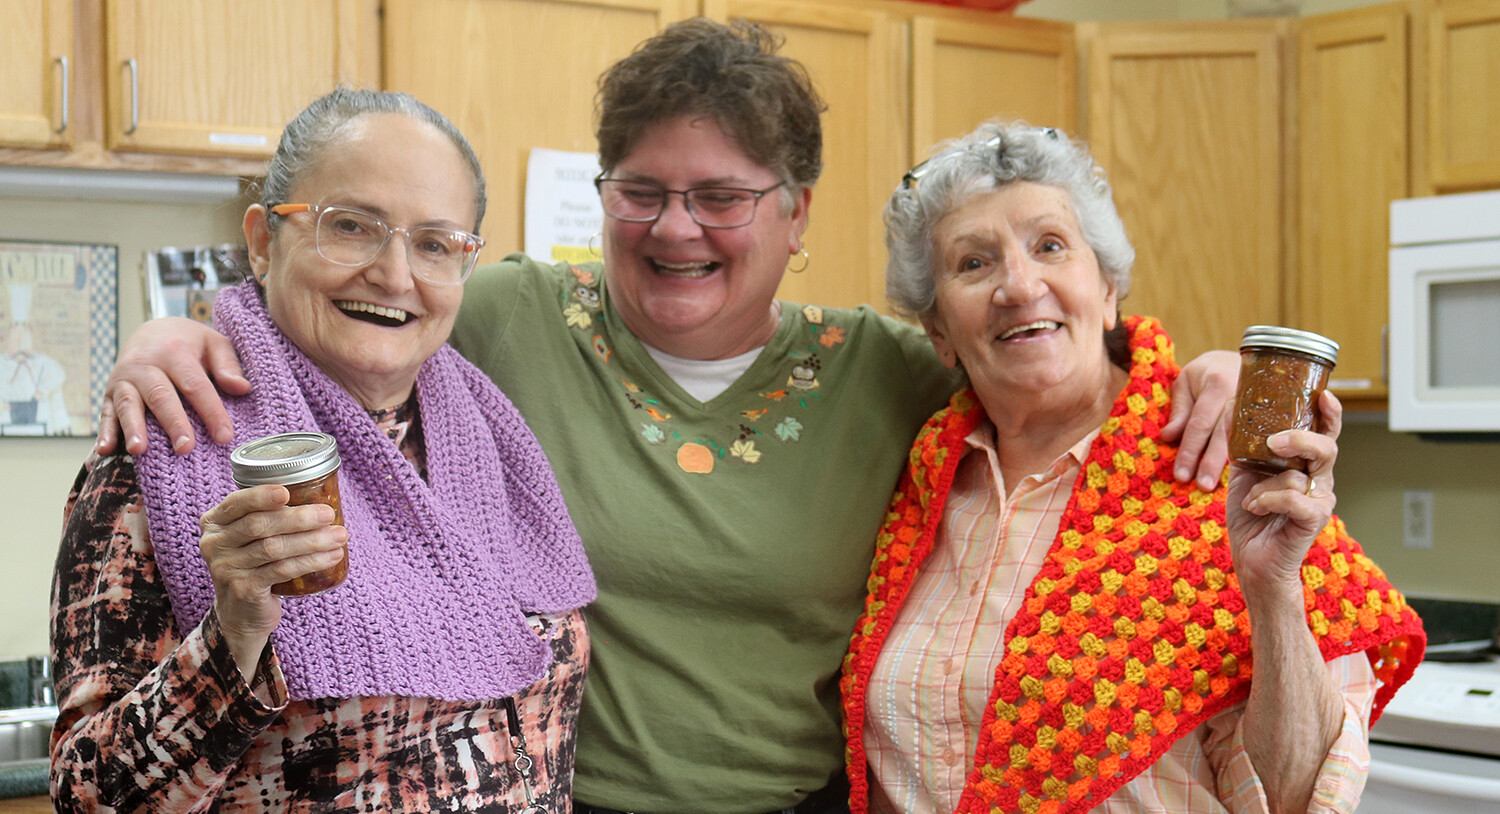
[63, 126]
[135, 96]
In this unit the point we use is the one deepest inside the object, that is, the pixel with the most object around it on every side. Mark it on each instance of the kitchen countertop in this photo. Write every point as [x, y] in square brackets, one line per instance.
[27, 805]
[23, 778]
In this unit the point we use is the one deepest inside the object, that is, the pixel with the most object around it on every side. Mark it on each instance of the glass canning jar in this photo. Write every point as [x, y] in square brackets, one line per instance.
[307, 464]
[1283, 371]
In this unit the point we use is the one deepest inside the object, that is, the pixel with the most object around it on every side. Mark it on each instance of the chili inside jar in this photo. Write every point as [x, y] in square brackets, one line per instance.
[1283, 372]
[307, 464]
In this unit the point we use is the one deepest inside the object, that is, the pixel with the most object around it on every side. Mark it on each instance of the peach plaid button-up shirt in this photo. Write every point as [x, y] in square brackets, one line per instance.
[934, 676]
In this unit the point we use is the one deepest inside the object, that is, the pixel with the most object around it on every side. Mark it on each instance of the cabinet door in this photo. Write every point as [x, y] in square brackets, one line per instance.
[512, 75]
[1352, 162]
[36, 61]
[966, 71]
[1462, 74]
[1186, 119]
[857, 65]
[219, 77]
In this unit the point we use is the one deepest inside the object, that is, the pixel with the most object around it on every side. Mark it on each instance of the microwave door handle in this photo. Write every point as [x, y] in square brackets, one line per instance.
[1385, 355]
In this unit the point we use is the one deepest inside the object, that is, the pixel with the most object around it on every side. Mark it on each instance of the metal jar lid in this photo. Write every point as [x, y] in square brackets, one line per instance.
[287, 458]
[1273, 336]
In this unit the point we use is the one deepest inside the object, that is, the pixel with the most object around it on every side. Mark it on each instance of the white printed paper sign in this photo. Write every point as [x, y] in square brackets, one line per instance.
[562, 206]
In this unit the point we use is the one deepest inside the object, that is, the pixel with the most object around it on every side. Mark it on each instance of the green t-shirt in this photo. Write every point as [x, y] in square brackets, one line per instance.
[731, 539]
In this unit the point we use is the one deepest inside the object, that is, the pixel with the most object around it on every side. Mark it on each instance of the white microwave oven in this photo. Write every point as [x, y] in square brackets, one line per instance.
[1445, 313]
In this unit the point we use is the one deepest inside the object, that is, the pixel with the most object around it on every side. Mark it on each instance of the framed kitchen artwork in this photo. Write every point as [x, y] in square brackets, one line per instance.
[59, 318]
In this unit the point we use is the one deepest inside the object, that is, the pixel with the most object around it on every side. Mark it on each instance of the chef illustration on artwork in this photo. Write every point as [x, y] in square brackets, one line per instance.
[31, 395]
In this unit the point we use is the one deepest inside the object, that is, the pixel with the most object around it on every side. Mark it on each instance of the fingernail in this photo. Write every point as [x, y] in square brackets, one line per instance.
[223, 433]
[134, 439]
[181, 443]
[1183, 474]
[1207, 484]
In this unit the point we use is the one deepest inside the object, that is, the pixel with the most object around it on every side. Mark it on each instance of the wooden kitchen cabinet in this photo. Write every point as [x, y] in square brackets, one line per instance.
[36, 59]
[1458, 78]
[1352, 151]
[984, 66]
[219, 77]
[1186, 118]
[512, 75]
[858, 65]
[214, 83]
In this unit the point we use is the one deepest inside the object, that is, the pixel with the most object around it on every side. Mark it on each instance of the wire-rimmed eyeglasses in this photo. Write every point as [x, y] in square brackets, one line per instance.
[354, 237]
[710, 207]
[913, 175]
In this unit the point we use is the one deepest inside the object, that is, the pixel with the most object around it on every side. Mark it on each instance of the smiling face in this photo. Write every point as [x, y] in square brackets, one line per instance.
[1021, 301]
[368, 327]
[690, 291]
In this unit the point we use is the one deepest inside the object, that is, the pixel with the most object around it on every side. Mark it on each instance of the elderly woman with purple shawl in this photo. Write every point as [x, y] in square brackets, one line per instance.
[455, 648]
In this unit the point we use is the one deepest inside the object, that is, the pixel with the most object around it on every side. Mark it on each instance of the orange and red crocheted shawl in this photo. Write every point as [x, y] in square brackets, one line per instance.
[1134, 632]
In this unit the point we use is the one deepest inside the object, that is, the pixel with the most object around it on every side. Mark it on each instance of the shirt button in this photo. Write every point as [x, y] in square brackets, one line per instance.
[974, 589]
[953, 666]
[950, 757]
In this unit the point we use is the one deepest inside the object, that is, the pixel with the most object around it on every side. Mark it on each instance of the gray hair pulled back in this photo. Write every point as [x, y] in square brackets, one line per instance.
[320, 123]
[992, 156]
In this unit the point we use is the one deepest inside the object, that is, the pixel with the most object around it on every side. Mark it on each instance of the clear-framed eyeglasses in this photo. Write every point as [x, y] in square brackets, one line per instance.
[710, 207]
[354, 237]
[913, 175]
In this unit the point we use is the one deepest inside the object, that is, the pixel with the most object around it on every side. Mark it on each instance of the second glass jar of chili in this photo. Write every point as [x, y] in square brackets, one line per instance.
[307, 464]
[1283, 371]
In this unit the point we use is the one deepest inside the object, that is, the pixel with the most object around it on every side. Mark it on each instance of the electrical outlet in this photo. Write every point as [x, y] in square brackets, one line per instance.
[1416, 518]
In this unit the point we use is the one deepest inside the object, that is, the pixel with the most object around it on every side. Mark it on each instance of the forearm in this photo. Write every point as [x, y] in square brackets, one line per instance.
[1295, 711]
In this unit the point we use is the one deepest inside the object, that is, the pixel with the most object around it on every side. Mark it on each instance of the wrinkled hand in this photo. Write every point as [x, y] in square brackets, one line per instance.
[1273, 520]
[163, 358]
[253, 540]
[1202, 406]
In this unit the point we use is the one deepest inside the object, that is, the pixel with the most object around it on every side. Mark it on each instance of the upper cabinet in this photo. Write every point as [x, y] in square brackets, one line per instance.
[180, 85]
[512, 75]
[1186, 118]
[1353, 160]
[968, 69]
[1459, 74]
[36, 59]
[218, 77]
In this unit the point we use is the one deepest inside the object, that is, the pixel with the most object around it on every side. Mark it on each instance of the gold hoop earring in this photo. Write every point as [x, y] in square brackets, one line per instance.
[805, 260]
[595, 252]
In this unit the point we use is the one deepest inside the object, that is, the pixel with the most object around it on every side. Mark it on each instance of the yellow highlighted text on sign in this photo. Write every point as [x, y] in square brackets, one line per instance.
[573, 254]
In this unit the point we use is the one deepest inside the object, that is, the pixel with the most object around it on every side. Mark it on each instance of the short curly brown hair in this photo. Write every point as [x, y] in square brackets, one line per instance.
[731, 73]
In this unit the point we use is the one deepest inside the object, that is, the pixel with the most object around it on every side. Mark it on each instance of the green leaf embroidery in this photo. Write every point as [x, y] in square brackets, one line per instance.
[790, 429]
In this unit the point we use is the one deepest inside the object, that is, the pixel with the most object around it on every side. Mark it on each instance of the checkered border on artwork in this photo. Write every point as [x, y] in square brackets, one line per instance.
[101, 266]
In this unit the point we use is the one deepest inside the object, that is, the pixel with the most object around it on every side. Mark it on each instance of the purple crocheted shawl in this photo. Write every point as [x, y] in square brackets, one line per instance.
[441, 572]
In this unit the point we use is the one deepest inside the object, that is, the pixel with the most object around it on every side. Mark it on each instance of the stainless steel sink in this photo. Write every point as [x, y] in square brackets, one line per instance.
[25, 732]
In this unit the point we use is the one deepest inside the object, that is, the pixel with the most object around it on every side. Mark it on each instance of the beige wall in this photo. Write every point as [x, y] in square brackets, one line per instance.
[1375, 466]
[35, 474]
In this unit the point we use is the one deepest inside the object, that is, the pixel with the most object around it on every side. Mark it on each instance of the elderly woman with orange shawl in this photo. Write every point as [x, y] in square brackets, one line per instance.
[1054, 624]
